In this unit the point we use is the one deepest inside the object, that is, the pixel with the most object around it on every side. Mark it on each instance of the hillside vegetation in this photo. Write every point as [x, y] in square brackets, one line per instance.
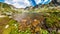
[41, 20]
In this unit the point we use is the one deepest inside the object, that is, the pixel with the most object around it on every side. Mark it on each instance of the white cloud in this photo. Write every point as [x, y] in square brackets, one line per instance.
[38, 1]
[24, 3]
[8, 2]
[18, 3]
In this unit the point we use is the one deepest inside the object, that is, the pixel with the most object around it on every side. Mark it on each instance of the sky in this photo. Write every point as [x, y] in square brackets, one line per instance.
[1, 0]
[18, 3]
[21, 3]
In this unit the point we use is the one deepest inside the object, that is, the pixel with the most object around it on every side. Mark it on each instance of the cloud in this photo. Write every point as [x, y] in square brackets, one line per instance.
[18, 3]
[25, 3]
[38, 1]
